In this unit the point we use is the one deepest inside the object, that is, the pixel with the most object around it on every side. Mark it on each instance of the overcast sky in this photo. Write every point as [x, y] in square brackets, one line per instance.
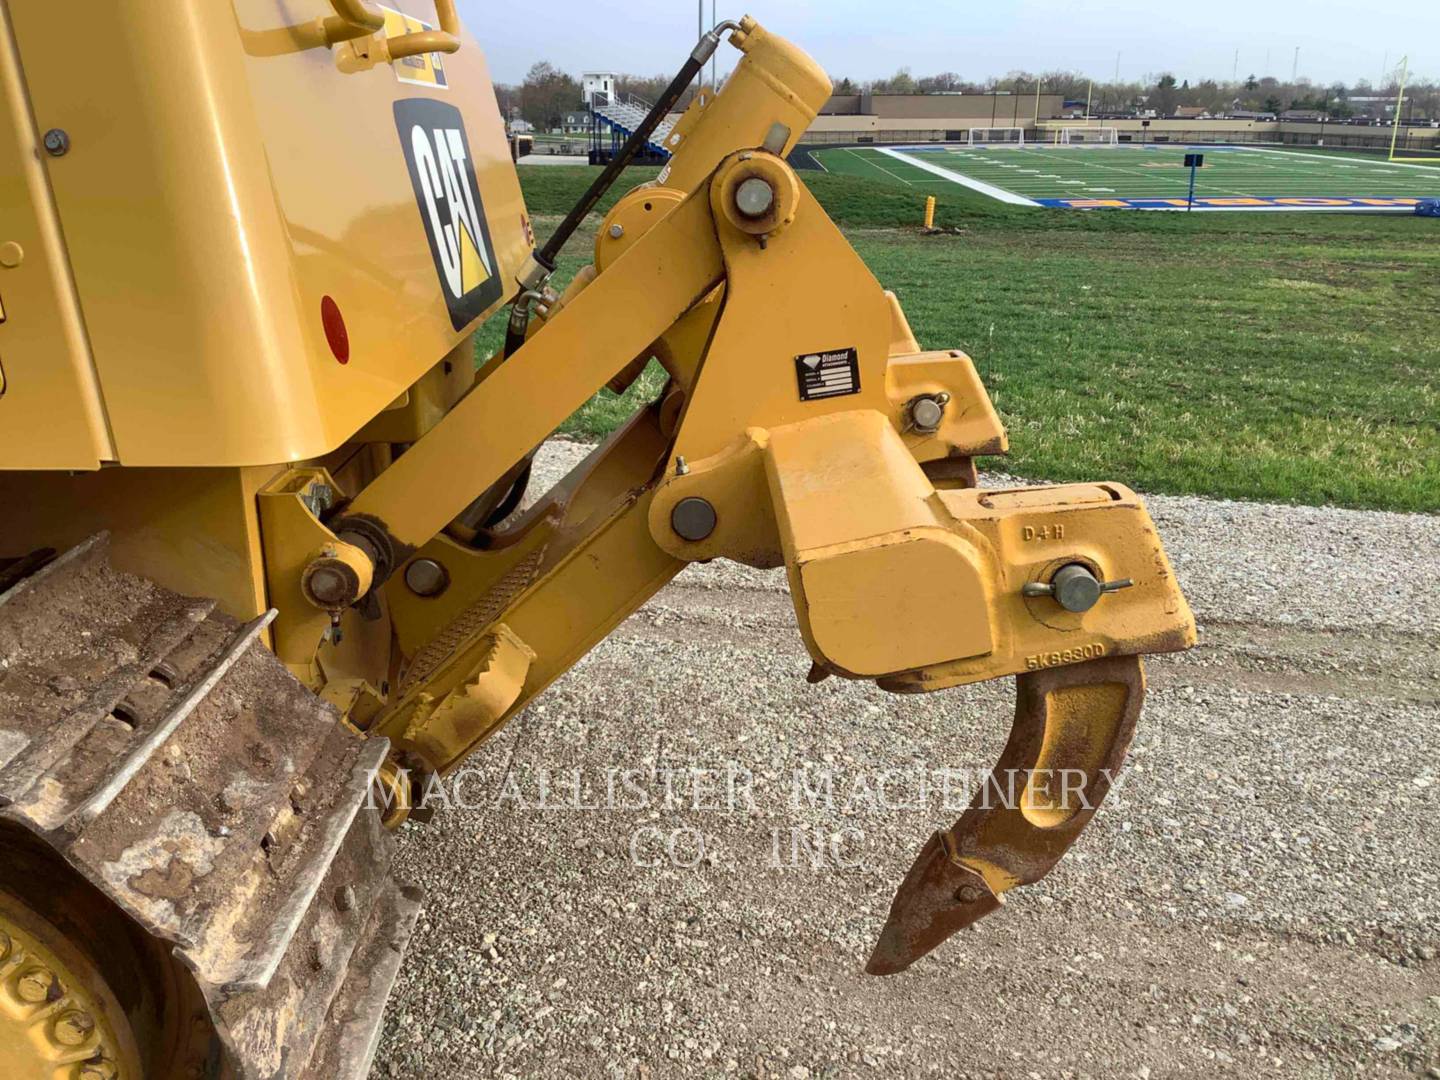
[867, 39]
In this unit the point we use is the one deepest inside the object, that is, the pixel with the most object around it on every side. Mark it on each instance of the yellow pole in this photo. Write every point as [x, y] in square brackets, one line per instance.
[929, 211]
[1089, 96]
[1037, 102]
[1399, 104]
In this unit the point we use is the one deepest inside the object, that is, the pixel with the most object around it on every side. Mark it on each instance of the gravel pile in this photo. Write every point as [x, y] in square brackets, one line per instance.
[1260, 898]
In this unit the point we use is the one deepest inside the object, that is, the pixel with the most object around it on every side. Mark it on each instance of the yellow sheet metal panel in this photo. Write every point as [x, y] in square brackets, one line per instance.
[191, 530]
[50, 414]
[239, 192]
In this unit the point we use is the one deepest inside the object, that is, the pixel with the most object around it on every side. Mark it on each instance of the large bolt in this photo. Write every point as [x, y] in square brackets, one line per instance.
[693, 518]
[927, 410]
[426, 577]
[99, 1069]
[57, 142]
[339, 574]
[754, 197]
[1075, 588]
[617, 231]
[35, 985]
[331, 585]
[73, 1027]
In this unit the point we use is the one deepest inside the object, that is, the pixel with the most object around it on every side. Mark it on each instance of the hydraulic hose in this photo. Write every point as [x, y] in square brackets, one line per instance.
[547, 255]
[542, 265]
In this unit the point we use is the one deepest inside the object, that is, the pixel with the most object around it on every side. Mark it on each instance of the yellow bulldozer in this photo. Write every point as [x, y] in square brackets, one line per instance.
[267, 573]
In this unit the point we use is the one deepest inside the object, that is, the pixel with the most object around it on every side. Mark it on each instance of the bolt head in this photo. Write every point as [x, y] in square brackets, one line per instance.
[73, 1027]
[616, 231]
[427, 577]
[329, 582]
[34, 985]
[57, 142]
[754, 197]
[101, 1069]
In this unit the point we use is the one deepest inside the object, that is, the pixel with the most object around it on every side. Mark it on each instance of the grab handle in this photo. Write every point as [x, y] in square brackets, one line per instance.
[360, 18]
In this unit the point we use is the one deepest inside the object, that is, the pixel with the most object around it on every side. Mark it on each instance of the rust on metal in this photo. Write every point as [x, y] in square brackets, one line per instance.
[1073, 726]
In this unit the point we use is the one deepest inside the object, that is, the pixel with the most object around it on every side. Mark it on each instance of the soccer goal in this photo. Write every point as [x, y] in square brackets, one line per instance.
[1089, 136]
[997, 136]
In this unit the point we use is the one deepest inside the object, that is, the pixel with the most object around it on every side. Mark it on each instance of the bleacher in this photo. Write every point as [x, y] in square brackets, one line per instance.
[619, 116]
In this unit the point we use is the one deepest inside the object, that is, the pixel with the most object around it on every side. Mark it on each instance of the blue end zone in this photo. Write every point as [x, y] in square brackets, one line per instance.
[1240, 202]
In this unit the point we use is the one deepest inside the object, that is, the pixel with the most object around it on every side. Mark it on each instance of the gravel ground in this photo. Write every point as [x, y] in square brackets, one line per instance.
[1258, 899]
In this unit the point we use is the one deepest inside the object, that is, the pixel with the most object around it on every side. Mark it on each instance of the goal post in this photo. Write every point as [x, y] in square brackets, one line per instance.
[997, 136]
[1089, 136]
[1413, 148]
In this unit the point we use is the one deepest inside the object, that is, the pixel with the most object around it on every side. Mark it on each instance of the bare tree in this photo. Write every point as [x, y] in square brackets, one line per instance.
[547, 94]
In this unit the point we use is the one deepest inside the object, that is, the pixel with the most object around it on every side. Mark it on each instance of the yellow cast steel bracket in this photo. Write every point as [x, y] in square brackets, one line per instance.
[918, 585]
[330, 650]
[516, 618]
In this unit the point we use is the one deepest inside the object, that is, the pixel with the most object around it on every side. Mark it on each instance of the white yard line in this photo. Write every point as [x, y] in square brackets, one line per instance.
[1382, 181]
[1183, 181]
[999, 194]
[1334, 157]
[882, 168]
[1150, 181]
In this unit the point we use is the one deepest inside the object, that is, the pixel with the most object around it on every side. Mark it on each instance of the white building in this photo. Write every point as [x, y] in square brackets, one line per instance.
[597, 82]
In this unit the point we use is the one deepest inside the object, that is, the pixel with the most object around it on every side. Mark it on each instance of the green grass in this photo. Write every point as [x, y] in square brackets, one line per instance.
[1287, 357]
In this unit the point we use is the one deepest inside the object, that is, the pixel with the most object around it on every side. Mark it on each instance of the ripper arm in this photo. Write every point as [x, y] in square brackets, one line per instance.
[801, 426]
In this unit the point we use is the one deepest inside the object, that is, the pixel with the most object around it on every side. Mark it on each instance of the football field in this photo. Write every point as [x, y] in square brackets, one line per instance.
[1148, 177]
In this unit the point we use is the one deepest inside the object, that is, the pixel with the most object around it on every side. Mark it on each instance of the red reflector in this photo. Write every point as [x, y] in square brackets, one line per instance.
[335, 332]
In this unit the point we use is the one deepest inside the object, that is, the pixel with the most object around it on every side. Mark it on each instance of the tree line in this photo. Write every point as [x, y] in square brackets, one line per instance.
[1165, 92]
[547, 93]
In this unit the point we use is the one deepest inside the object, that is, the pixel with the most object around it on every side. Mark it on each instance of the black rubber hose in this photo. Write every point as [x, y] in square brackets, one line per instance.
[516, 326]
[546, 256]
[611, 172]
